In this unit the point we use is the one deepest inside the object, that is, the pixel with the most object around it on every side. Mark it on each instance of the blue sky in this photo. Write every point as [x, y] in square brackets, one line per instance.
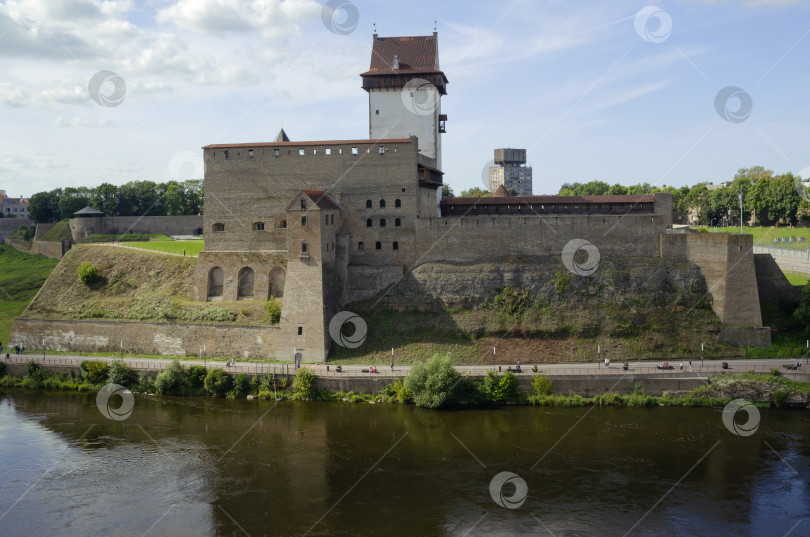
[587, 87]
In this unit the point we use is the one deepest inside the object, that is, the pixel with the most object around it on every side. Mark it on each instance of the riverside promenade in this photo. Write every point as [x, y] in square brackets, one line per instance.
[643, 367]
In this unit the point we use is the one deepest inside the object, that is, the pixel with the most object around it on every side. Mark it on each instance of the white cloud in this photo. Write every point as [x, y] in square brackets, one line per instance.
[274, 18]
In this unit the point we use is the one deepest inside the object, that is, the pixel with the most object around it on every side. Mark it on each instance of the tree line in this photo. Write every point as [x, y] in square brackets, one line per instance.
[768, 199]
[136, 198]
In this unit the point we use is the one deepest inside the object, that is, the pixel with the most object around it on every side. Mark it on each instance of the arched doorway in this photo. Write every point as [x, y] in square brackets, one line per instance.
[277, 276]
[216, 279]
[245, 289]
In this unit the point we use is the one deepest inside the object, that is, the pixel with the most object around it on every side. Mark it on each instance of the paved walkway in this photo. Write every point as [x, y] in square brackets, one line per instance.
[385, 370]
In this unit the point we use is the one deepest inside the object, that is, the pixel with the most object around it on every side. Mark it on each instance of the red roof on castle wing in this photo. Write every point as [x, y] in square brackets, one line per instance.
[512, 200]
[417, 54]
[321, 199]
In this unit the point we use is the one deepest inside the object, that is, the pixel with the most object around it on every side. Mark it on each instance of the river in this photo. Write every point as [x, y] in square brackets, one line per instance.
[200, 466]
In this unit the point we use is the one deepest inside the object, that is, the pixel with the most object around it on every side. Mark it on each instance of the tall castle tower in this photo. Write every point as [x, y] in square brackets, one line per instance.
[405, 86]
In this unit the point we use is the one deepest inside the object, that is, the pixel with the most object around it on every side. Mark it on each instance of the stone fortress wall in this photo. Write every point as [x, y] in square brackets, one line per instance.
[120, 225]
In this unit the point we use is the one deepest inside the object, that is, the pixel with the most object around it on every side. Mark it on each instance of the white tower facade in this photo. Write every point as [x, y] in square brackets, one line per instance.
[405, 87]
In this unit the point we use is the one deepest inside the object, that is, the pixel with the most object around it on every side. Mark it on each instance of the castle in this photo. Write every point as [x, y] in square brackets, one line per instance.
[324, 224]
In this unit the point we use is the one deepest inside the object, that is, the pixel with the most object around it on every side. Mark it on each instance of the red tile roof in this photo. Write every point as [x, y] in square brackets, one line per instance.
[419, 54]
[322, 199]
[549, 199]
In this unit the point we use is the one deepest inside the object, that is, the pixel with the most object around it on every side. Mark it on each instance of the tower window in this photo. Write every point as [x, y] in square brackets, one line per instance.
[303, 247]
[303, 205]
[354, 150]
[300, 330]
[301, 152]
[382, 150]
[258, 226]
[368, 204]
[382, 204]
[378, 246]
[332, 218]
[226, 154]
[218, 227]
[377, 113]
[360, 245]
[368, 222]
[275, 152]
[397, 222]
[281, 224]
[250, 153]
[303, 221]
[398, 203]
[396, 245]
[382, 222]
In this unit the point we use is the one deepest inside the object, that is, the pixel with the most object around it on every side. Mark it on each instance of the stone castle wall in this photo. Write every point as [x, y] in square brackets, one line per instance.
[174, 339]
[120, 225]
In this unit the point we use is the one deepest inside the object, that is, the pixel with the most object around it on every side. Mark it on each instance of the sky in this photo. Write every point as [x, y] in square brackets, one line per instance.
[671, 93]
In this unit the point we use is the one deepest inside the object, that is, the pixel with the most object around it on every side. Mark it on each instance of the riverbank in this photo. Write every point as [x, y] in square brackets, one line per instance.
[614, 386]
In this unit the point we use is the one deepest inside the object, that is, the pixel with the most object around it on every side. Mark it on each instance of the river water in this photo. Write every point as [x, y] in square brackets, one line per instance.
[199, 466]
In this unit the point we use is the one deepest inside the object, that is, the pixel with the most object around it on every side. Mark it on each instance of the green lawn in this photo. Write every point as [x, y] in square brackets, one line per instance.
[766, 235]
[21, 276]
[192, 247]
[797, 279]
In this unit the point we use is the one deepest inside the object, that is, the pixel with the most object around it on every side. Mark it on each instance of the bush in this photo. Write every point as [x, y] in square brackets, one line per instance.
[88, 273]
[608, 398]
[541, 388]
[172, 381]
[220, 314]
[638, 398]
[241, 387]
[195, 378]
[217, 382]
[495, 389]
[121, 374]
[94, 371]
[433, 383]
[273, 309]
[303, 385]
[145, 382]
[779, 397]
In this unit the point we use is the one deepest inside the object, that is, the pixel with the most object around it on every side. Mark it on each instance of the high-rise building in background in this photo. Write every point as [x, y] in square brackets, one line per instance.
[510, 170]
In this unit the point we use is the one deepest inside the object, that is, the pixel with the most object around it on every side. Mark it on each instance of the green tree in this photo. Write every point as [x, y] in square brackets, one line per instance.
[72, 200]
[433, 383]
[783, 200]
[105, 198]
[44, 206]
[475, 192]
[802, 313]
[171, 381]
[447, 192]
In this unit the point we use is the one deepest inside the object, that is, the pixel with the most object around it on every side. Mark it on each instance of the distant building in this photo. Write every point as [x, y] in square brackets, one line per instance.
[13, 207]
[511, 172]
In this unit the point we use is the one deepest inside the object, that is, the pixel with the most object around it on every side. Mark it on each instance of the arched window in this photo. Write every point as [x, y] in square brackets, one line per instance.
[382, 222]
[397, 222]
[277, 277]
[215, 280]
[378, 246]
[396, 245]
[368, 222]
[245, 288]
[382, 204]
[398, 203]
[368, 204]
[303, 247]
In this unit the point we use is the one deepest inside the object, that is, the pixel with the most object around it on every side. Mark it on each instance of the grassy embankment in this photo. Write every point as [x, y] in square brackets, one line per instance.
[21, 276]
[156, 241]
[765, 235]
[135, 286]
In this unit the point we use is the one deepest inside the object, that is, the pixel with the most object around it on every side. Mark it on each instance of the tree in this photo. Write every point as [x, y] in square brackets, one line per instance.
[475, 192]
[72, 200]
[802, 313]
[783, 200]
[105, 198]
[44, 206]
[433, 383]
[447, 192]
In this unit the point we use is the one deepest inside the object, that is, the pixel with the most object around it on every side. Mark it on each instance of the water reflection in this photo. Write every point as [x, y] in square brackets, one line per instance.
[188, 466]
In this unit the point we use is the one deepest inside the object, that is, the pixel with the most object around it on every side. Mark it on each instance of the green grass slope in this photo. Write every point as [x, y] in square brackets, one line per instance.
[21, 276]
[134, 285]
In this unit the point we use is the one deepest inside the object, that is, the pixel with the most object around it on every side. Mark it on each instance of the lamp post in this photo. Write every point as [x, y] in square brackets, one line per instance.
[701, 356]
[392, 360]
[598, 356]
[493, 357]
[203, 355]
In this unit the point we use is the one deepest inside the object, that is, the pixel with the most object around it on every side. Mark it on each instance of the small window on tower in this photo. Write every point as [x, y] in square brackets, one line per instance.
[258, 226]
[359, 245]
[226, 154]
[300, 330]
[396, 245]
[328, 151]
[398, 222]
[303, 205]
[377, 113]
[354, 150]
[301, 152]
[275, 152]
[382, 222]
[368, 204]
[397, 203]
[303, 221]
[378, 246]
[250, 153]
[368, 222]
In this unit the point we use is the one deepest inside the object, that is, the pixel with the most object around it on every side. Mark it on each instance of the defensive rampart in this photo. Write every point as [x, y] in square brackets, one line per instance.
[121, 225]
